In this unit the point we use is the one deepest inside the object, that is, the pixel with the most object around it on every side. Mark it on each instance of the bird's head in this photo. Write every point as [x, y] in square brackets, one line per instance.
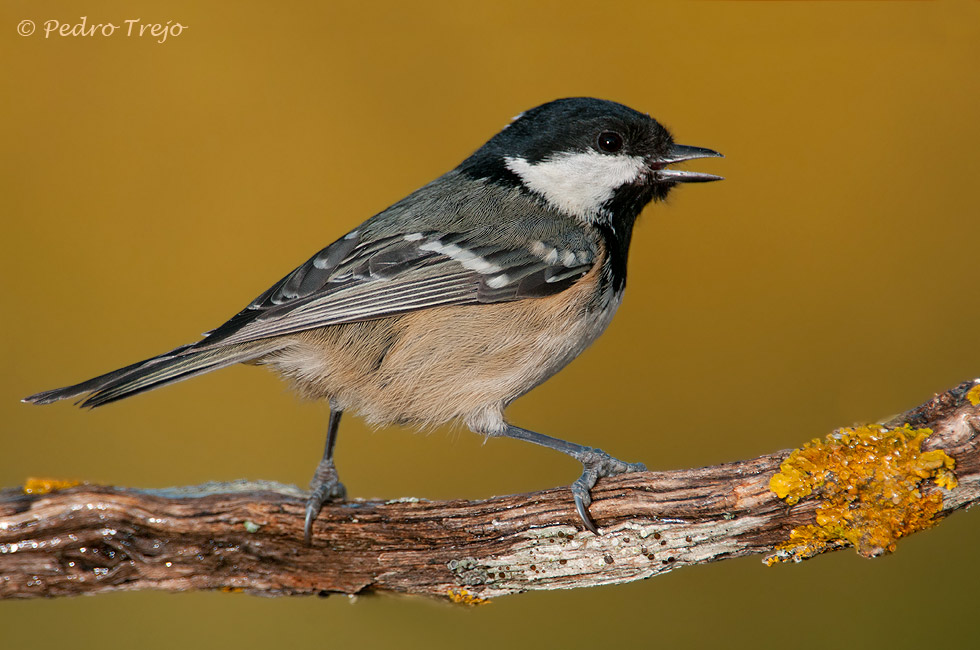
[592, 159]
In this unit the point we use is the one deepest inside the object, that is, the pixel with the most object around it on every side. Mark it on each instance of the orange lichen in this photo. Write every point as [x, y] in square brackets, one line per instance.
[974, 395]
[869, 482]
[45, 485]
[462, 597]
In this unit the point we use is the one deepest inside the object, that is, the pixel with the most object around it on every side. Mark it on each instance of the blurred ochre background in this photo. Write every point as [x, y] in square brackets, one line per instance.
[150, 190]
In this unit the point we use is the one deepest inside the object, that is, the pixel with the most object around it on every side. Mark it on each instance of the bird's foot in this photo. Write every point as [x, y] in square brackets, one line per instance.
[597, 464]
[325, 486]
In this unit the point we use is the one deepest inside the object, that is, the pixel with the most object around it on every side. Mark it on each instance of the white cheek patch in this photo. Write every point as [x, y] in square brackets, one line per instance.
[577, 183]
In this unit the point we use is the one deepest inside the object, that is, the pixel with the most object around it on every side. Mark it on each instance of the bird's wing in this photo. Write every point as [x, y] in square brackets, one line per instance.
[356, 280]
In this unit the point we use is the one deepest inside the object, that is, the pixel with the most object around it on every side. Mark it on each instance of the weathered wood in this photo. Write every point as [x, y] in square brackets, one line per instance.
[249, 536]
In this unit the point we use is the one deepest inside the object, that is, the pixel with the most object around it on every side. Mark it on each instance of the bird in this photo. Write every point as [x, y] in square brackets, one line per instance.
[458, 299]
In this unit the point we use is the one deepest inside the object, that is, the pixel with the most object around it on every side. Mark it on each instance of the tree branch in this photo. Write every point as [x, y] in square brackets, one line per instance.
[248, 536]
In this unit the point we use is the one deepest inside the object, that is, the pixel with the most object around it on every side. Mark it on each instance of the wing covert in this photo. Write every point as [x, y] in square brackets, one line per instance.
[359, 278]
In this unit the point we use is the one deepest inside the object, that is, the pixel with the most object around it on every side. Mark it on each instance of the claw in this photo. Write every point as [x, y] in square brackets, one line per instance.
[582, 502]
[597, 464]
[325, 486]
[312, 510]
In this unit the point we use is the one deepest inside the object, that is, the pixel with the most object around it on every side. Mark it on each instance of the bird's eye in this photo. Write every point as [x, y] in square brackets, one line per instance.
[610, 141]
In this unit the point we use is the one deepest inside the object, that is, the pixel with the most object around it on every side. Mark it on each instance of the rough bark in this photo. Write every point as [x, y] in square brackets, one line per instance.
[249, 536]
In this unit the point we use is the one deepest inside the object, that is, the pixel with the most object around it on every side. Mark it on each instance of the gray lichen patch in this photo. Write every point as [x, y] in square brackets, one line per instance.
[467, 571]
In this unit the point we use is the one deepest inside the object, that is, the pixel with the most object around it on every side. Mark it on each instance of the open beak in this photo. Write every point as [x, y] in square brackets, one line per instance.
[680, 153]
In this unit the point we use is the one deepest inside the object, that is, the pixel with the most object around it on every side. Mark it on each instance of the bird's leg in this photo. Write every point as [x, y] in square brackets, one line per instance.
[596, 463]
[325, 485]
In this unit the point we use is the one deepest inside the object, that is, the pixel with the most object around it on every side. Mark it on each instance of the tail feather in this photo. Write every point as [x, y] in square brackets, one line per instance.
[176, 365]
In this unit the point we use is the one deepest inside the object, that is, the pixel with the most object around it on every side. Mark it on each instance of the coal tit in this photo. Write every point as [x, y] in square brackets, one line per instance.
[461, 297]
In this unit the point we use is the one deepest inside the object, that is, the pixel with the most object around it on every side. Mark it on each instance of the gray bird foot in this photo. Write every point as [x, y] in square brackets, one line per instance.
[598, 464]
[325, 486]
